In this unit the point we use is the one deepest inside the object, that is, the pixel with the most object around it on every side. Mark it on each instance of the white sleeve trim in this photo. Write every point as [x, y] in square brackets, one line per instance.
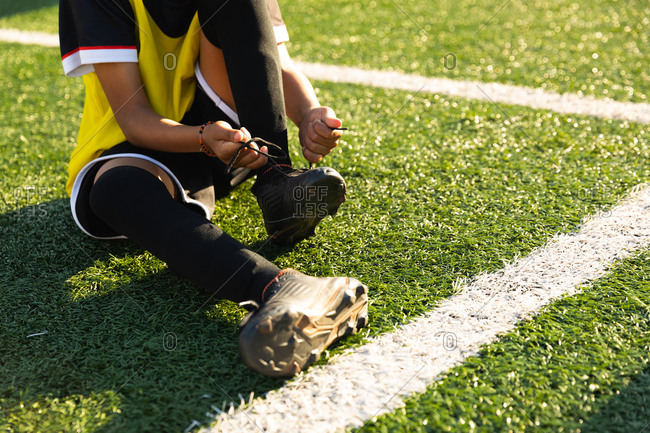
[213, 95]
[281, 34]
[81, 62]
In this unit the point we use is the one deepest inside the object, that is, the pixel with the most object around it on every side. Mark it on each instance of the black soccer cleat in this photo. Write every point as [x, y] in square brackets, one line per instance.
[295, 201]
[303, 316]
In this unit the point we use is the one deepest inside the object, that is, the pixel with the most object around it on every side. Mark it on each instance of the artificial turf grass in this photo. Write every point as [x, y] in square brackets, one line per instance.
[439, 190]
[581, 365]
[627, 410]
[40, 110]
[32, 15]
[593, 48]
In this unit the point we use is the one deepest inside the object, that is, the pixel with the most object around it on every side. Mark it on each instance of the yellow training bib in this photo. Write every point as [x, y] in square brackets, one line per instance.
[167, 71]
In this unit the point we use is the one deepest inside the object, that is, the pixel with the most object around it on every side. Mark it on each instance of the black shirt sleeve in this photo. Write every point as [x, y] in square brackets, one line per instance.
[96, 31]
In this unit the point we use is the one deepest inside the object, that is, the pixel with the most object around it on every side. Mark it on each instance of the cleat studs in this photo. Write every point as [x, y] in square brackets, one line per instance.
[314, 356]
[349, 328]
[265, 327]
[293, 368]
[304, 322]
[362, 321]
[349, 297]
[294, 341]
[267, 353]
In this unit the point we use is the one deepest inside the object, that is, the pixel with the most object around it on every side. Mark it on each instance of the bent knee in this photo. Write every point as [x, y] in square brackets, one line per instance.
[143, 164]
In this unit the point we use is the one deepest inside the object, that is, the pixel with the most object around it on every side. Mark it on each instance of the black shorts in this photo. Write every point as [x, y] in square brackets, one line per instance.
[202, 179]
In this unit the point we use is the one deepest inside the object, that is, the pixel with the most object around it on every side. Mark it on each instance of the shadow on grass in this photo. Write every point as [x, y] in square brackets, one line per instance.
[8, 8]
[100, 334]
[269, 250]
[628, 411]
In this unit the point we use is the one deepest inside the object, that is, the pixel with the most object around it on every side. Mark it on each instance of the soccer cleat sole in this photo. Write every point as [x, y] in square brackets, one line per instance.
[286, 343]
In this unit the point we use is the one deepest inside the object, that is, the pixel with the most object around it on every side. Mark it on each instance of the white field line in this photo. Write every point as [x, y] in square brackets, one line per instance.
[373, 379]
[566, 103]
[494, 92]
[25, 37]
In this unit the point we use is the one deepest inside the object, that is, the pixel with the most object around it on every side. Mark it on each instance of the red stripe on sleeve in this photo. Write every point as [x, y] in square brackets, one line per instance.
[107, 47]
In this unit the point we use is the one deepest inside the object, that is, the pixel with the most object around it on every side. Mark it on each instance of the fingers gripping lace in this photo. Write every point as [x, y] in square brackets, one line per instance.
[275, 164]
[247, 145]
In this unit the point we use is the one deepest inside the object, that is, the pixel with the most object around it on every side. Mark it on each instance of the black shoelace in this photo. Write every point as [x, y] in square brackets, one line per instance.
[274, 164]
[272, 159]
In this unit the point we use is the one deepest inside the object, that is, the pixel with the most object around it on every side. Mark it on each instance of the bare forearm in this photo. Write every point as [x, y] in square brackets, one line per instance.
[145, 128]
[140, 124]
[318, 126]
[299, 94]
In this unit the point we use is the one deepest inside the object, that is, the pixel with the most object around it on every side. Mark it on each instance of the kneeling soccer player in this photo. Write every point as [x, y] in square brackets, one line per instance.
[172, 90]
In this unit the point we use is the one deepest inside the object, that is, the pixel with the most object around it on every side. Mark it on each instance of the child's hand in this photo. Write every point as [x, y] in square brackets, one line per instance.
[317, 134]
[224, 142]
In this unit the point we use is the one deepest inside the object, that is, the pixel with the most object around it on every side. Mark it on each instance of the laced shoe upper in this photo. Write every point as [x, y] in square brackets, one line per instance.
[294, 201]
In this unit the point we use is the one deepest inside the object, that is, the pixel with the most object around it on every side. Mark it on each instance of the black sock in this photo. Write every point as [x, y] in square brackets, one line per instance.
[243, 30]
[136, 204]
